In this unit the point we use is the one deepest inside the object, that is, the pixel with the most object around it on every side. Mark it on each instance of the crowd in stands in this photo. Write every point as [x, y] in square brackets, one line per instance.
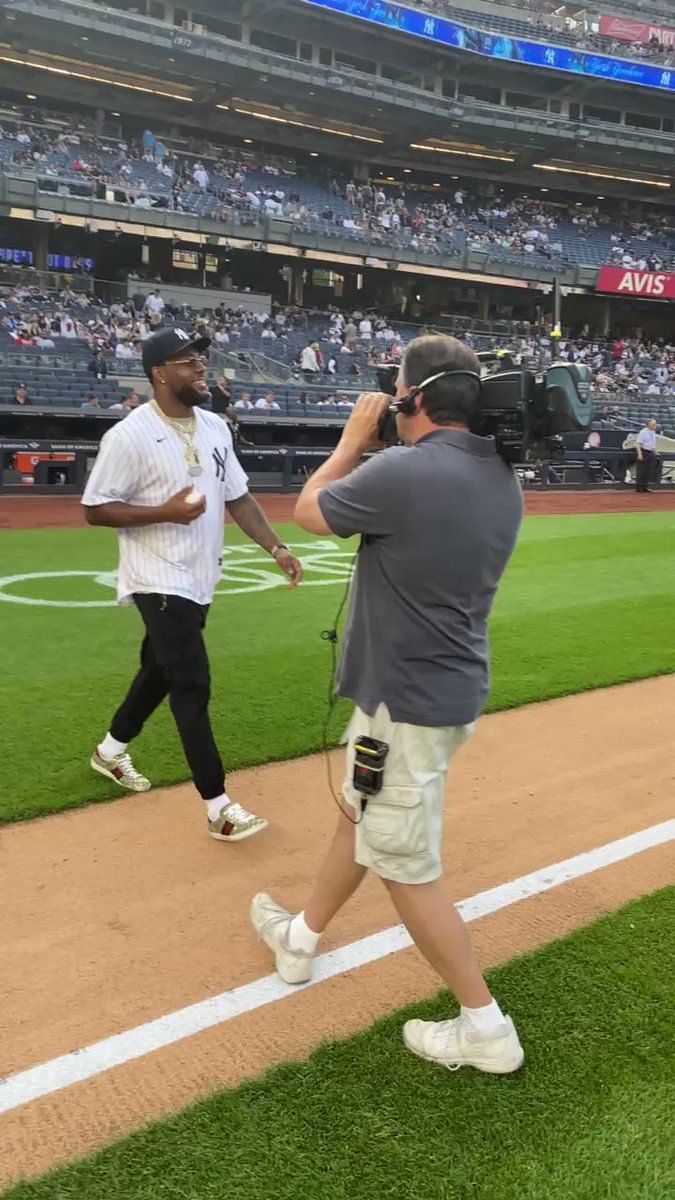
[628, 373]
[634, 247]
[625, 367]
[117, 332]
[329, 356]
[245, 185]
[142, 172]
[517, 226]
[28, 318]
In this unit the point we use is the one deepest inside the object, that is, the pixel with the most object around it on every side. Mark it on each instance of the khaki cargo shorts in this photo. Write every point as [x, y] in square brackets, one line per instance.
[399, 835]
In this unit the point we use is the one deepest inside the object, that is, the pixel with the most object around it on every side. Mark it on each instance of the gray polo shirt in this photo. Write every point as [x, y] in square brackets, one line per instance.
[439, 522]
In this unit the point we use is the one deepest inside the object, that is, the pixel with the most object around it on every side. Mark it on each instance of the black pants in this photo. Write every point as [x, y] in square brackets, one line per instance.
[646, 470]
[174, 663]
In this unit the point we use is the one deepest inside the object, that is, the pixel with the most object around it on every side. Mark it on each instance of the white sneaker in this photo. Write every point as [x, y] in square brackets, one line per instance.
[456, 1043]
[271, 923]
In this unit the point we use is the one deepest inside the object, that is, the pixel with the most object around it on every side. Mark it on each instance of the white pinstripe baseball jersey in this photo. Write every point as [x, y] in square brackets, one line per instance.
[142, 461]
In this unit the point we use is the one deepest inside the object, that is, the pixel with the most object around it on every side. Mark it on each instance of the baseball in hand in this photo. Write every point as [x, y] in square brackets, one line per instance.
[193, 497]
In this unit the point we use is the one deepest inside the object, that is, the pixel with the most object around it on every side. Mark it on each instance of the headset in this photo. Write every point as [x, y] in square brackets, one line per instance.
[387, 376]
[407, 403]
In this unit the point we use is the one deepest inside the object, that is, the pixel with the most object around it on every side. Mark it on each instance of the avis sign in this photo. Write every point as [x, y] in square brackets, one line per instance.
[647, 285]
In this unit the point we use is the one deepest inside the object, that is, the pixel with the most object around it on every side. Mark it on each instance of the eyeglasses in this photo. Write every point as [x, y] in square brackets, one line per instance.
[198, 361]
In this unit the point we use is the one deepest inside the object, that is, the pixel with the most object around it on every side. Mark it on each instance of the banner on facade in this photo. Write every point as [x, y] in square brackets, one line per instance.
[641, 32]
[646, 285]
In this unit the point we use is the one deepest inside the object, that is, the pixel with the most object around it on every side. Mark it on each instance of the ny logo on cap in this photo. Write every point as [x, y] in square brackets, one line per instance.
[180, 333]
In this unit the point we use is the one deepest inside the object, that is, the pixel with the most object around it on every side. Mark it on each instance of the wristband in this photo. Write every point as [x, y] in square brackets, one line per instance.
[275, 549]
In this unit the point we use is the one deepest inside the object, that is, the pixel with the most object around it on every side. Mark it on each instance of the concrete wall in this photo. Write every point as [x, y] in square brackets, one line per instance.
[198, 297]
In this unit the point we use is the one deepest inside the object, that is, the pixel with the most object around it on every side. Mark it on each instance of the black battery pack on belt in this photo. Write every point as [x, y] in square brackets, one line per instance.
[369, 758]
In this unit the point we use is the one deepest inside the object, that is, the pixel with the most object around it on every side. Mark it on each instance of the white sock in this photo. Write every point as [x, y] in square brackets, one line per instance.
[110, 747]
[213, 807]
[301, 937]
[487, 1020]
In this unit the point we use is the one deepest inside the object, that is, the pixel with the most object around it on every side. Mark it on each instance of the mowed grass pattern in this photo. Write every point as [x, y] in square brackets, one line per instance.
[586, 602]
[588, 1118]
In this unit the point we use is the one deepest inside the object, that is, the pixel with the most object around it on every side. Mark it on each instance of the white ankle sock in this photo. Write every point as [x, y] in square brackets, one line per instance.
[301, 937]
[486, 1020]
[213, 807]
[110, 747]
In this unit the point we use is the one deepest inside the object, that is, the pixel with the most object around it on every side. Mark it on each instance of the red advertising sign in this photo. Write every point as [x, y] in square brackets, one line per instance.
[625, 30]
[645, 285]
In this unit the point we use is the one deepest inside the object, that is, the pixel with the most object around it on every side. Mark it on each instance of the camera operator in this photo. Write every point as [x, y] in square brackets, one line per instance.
[438, 518]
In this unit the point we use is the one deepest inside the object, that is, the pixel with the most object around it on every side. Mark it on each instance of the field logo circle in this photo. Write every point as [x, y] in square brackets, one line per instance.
[245, 570]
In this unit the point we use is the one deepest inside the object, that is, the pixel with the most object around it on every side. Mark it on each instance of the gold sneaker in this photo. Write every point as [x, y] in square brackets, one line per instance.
[234, 823]
[121, 770]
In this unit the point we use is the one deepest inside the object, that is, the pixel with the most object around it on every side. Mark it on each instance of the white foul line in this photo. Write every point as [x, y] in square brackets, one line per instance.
[102, 1056]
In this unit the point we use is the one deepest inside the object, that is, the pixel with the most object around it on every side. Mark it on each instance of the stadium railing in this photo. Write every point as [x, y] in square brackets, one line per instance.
[195, 42]
[644, 9]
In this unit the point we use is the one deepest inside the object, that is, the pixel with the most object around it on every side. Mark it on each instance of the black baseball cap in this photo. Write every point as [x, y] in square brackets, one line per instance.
[168, 343]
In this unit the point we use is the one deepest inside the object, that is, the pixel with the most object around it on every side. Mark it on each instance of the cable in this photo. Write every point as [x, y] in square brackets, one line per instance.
[331, 636]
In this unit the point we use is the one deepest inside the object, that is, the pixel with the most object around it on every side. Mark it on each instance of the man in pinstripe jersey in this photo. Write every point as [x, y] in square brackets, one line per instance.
[163, 478]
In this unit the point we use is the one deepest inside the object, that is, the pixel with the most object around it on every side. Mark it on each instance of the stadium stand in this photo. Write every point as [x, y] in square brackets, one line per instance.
[550, 21]
[313, 356]
[633, 378]
[647, 9]
[556, 29]
[223, 182]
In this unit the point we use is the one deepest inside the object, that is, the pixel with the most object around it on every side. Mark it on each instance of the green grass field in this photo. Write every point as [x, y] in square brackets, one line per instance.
[586, 602]
[588, 1118]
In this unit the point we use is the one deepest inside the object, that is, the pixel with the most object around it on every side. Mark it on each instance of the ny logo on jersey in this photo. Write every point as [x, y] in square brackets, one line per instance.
[220, 460]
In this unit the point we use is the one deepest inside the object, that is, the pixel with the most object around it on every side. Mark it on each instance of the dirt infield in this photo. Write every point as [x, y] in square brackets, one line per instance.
[117, 914]
[65, 512]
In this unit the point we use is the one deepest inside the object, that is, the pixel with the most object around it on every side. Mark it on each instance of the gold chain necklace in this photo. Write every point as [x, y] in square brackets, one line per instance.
[186, 428]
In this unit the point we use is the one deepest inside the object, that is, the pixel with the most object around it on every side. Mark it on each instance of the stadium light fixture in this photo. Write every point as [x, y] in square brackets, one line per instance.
[30, 96]
[118, 83]
[262, 116]
[657, 183]
[463, 153]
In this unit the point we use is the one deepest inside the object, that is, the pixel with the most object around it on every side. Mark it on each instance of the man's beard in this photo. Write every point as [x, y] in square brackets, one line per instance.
[190, 395]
